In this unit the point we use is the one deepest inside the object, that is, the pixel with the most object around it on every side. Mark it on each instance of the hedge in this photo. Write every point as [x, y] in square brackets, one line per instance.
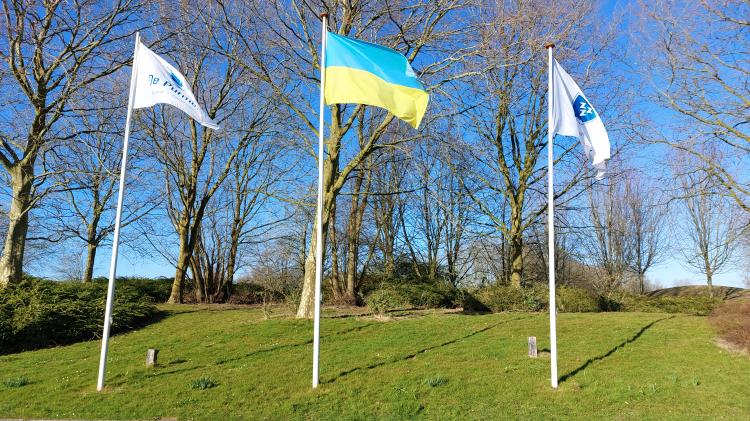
[37, 314]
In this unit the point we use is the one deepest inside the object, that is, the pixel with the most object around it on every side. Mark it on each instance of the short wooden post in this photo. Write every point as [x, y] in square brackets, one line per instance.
[151, 357]
[532, 347]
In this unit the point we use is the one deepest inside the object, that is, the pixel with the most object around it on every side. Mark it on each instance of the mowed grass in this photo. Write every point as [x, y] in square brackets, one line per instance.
[421, 365]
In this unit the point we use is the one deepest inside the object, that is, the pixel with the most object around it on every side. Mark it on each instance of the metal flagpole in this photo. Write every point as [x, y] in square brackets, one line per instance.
[551, 222]
[319, 216]
[118, 214]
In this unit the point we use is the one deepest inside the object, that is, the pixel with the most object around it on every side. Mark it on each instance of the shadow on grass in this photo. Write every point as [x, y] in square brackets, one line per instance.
[395, 313]
[293, 345]
[613, 350]
[169, 368]
[421, 351]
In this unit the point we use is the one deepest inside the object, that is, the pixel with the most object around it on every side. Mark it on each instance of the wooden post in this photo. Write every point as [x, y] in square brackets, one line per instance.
[151, 357]
[532, 347]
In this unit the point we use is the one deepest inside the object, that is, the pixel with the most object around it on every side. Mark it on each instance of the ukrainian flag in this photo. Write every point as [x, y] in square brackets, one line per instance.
[362, 73]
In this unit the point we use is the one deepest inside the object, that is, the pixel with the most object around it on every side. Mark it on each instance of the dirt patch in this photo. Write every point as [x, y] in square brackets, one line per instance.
[728, 346]
[732, 322]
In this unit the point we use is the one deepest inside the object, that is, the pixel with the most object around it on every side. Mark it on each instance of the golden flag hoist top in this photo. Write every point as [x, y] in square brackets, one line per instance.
[363, 73]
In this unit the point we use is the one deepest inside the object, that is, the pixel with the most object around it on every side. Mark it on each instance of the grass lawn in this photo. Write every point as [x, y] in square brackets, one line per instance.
[422, 365]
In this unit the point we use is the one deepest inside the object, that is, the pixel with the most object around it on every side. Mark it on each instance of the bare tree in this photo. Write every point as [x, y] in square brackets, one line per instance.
[240, 223]
[695, 55]
[402, 25]
[506, 118]
[88, 166]
[388, 207]
[607, 244]
[50, 51]
[712, 221]
[646, 212]
[195, 160]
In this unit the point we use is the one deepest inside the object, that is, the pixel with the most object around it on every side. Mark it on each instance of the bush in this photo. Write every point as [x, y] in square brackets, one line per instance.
[732, 322]
[471, 304]
[696, 305]
[420, 295]
[157, 289]
[499, 298]
[203, 383]
[16, 382]
[575, 300]
[435, 381]
[386, 299]
[248, 293]
[38, 314]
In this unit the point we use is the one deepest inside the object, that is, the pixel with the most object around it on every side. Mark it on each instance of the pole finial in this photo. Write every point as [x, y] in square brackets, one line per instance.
[324, 15]
[549, 45]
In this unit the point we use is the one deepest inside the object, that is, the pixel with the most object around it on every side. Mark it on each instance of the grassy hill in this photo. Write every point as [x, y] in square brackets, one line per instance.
[417, 365]
[693, 290]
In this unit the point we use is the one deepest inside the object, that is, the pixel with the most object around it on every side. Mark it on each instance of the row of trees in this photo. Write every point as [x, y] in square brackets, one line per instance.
[461, 201]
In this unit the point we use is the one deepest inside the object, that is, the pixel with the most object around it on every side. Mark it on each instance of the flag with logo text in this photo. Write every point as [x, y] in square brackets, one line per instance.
[573, 115]
[159, 82]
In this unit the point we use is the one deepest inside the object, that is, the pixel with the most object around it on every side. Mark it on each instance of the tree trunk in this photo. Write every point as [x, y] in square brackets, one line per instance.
[92, 243]
[709, 282]
[516, 261]
[516, 247]
[335, 280]
[307, 299]
[353, 231]
[11, 262]
[330, 171]
[183, 260]
[88, 271]
[642, 282]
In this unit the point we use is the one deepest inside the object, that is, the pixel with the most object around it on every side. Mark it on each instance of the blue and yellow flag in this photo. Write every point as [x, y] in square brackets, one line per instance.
[362, 73]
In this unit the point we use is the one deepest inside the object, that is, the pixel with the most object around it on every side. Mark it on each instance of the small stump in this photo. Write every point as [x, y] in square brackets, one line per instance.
[151, 357]
[532, 347]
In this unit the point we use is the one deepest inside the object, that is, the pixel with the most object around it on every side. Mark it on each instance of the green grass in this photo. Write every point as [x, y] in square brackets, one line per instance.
[427, 365]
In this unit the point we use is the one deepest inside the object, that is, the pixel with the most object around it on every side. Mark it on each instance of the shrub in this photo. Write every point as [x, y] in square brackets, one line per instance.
[435, 381]
[471, 304]
[732, 322]
[575, 300]
[425, 295]
[16, 382]
[420, 295]
[500, 298]
[386, 299]
[203, 383]
[157, 290]
[249, 293]
[696, 305]
[38, 314]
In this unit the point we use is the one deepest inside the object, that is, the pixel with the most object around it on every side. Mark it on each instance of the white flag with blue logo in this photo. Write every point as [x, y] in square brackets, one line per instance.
[159, 82]
[573, 115]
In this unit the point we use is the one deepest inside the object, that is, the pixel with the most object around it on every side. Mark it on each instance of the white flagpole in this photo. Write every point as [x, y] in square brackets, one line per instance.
[551, 223]
[319, 216]
[118, 214]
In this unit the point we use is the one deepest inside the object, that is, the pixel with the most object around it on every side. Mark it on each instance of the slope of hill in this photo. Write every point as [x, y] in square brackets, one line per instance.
[692, 290]
[233, 364]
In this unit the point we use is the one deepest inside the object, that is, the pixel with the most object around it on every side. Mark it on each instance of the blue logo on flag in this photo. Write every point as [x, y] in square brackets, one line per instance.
[583, 110]
[175, 79]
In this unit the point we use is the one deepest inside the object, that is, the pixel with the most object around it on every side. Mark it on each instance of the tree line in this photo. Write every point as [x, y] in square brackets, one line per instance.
[461, 201]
